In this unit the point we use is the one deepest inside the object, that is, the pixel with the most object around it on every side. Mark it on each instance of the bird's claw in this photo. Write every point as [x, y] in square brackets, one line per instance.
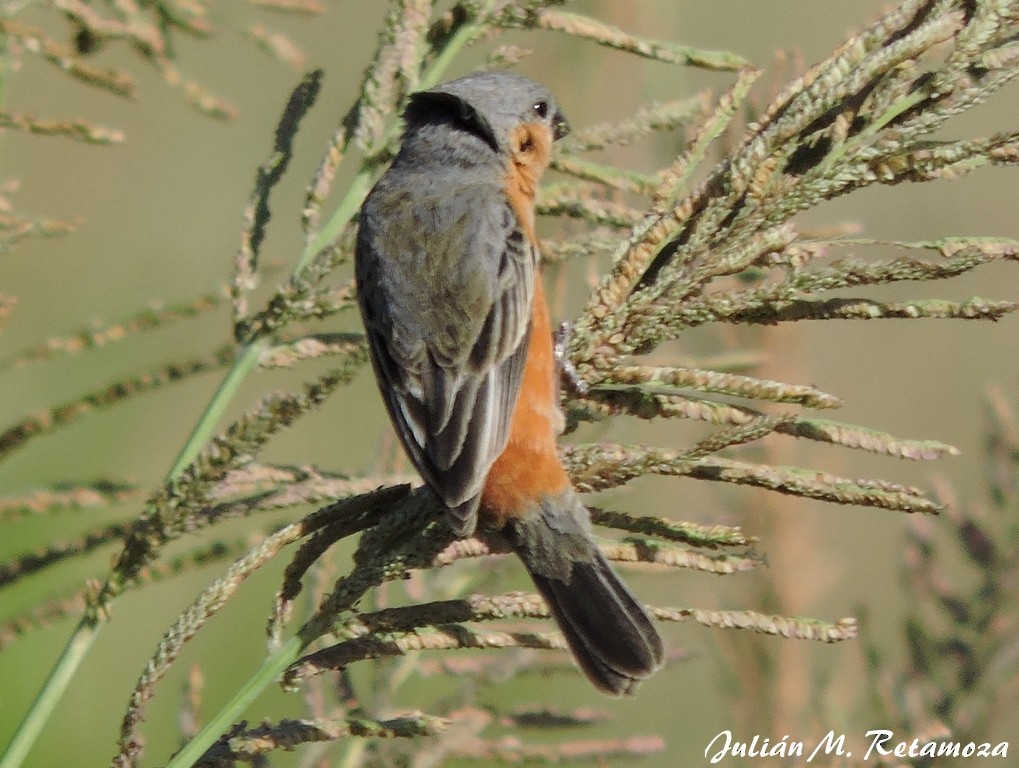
[567, 371]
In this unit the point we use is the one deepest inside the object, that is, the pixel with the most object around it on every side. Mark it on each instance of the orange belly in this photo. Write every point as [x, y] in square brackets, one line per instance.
[529, 466]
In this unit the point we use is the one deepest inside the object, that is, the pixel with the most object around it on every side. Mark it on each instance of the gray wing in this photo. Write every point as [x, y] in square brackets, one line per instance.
[445, 286]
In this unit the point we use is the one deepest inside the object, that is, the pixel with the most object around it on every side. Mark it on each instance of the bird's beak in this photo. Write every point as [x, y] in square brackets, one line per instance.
[560, 127]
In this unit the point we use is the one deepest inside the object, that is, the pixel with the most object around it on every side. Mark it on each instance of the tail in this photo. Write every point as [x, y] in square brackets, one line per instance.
[612, 638]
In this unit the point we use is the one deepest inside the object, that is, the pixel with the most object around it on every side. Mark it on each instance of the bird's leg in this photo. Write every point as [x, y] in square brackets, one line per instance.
[567, 371]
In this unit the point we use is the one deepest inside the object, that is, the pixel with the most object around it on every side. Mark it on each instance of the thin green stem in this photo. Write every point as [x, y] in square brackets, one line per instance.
[46, 701]
[460, 38]
[894, 110]
[232, 711]
[341, 217]
[245, 362]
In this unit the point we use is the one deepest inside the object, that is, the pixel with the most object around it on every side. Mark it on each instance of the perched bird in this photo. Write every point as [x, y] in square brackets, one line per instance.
[461, 343]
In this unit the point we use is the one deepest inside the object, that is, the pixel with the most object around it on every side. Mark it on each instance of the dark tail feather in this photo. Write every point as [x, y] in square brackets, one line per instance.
[612, 638]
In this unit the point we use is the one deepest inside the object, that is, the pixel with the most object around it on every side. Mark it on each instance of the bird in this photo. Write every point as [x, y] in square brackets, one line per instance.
[460, 338]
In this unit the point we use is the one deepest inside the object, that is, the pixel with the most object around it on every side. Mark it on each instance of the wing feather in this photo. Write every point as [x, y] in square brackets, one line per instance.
[446, 285]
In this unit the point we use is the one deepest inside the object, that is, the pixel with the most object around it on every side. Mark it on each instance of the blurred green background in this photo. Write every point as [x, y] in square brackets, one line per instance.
[161, 217]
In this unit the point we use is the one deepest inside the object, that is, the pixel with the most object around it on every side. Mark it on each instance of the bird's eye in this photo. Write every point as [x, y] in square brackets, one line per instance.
[541, 109]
